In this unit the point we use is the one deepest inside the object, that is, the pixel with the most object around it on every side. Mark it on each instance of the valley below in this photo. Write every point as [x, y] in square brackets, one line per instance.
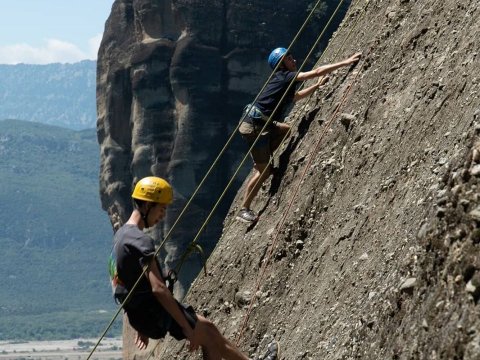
[110, 348]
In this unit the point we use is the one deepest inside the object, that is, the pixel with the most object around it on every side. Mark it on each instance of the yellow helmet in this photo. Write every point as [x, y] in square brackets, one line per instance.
[153, 189]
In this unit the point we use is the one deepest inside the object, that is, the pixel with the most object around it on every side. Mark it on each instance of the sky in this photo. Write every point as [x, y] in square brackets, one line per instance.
[49, 31]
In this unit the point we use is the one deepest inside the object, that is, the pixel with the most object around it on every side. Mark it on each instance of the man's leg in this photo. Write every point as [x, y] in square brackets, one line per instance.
[261, 171]
[214, 345]
[280, 132]
[255, 182]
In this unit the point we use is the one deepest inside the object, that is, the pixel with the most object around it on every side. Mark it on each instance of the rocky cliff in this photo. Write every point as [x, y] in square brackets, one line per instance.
[368, 242]
[172, 79]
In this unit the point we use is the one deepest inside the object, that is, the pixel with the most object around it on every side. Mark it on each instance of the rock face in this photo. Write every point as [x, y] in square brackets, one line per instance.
[368, 245]
[172, 79]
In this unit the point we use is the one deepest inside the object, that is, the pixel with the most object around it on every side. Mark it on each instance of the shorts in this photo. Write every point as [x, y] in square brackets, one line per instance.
[152, 320]
[261, 151]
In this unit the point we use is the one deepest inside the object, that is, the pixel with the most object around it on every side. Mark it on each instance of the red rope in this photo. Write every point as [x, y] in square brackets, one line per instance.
[284, 216]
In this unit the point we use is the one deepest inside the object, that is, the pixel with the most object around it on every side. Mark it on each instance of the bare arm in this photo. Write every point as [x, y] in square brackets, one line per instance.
[327, 69]
[165, 298]
[307, 91]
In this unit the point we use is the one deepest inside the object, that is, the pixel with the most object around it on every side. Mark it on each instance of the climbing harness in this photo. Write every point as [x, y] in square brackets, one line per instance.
[253, 112]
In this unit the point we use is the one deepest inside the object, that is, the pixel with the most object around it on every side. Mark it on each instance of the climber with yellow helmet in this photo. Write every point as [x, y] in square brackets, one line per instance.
[152, 310]
[272, 107]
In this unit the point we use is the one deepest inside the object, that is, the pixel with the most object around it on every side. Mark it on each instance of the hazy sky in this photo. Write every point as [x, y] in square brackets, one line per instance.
[46, 31]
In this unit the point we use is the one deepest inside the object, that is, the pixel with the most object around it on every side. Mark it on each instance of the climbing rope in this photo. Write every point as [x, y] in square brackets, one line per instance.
[220, 198]
[306, 101]
[280, 224]
[193, 244]
[129, 295]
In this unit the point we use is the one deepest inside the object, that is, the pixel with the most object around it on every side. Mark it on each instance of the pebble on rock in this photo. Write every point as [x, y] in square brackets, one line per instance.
[475, 170]
[408, 285]
[475, 214]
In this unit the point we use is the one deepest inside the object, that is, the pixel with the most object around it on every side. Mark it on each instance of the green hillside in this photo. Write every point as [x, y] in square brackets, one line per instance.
[54, 236]
[54, 94]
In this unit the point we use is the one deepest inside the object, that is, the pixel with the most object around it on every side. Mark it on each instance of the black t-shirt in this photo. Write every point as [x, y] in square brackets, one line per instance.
[273, 92]
[133, 250]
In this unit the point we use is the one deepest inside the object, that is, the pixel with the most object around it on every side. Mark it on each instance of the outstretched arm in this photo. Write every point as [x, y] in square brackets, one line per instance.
[307, 91]
[327, 69]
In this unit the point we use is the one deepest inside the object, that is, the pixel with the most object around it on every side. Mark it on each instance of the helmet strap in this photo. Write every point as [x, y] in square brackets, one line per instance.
[145, 216]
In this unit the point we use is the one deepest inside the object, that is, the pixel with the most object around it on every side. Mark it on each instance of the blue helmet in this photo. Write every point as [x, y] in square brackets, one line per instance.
[275, 56]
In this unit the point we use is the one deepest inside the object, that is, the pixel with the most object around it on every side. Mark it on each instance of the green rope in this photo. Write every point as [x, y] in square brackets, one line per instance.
[128, 297]
[189, 250]
[264, 127]
[265, 263]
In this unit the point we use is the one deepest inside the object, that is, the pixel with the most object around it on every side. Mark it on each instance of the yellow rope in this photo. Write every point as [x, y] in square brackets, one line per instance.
[285, 137]
[264, 127]
[251, 147]
[199, 186]
[282, 220]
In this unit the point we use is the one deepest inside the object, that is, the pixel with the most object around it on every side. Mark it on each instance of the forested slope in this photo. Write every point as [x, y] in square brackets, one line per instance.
[54, 238]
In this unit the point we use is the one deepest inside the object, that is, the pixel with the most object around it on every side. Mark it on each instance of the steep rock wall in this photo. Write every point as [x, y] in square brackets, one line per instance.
[378, 256]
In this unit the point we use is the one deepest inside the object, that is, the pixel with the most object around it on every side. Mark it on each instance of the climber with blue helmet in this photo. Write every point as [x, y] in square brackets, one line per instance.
[270, 108]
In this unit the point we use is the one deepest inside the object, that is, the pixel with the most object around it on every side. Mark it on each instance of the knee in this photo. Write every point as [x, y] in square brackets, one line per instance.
[267, 171]
[283, 127]
[208, 328]
[264, 169]
[212, 328]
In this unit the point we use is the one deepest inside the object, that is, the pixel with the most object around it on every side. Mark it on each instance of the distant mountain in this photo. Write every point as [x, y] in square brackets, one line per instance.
[56, 94]
[54, 237]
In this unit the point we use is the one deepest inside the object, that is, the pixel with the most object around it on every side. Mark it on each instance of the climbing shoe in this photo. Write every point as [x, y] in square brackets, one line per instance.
[247, 216]
[272, 352]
